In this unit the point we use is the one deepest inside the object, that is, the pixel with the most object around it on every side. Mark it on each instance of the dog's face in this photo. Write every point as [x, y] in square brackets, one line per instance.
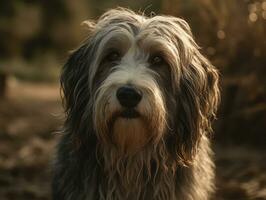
[138, 81]
[129, 105]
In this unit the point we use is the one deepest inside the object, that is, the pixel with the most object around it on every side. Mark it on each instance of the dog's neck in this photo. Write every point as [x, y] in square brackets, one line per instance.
[127, 175]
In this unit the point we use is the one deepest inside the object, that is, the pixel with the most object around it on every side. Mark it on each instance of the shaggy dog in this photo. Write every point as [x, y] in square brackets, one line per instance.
[139, 100]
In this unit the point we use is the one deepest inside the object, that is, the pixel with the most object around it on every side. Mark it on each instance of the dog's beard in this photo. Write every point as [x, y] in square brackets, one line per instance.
[130, 134]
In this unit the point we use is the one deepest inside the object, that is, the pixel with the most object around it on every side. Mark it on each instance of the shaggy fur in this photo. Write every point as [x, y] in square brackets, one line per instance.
[163, 153]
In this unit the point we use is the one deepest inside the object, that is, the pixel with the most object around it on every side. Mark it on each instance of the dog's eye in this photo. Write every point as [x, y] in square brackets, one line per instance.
[157, 60]
[113, 56]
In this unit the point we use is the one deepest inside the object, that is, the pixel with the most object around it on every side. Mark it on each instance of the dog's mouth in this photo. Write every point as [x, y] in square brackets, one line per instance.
[129, 114]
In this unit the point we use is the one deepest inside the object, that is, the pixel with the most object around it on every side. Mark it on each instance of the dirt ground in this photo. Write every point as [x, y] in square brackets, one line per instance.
[31, 114]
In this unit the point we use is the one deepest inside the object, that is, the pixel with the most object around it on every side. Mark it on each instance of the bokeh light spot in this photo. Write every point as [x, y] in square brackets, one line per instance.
[252, 8]
[263, 5]
[253, 17]
[263, 14]
[220, 34]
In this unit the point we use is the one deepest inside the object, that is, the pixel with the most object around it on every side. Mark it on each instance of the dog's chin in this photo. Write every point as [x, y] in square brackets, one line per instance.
[129, 114]
[130, 133]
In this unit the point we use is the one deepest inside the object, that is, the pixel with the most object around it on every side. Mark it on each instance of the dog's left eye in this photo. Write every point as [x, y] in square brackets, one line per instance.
[113, 56]
[157, 60]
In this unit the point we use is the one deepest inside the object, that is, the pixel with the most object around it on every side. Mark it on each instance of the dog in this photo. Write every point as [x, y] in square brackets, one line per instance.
[139, 99]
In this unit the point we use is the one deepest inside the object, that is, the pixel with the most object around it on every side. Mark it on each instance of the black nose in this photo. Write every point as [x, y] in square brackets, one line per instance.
[128, 96]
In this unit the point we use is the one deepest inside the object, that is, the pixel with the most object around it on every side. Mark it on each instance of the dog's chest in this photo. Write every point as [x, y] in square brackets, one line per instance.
[117, 189]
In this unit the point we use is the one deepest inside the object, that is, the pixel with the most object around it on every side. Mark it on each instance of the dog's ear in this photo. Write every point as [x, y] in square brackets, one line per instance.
[197, 104]
[74, 76]
[197, 96]
[75, 90]
[74, 79]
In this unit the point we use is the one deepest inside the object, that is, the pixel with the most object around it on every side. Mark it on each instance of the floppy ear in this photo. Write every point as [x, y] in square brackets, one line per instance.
[71, 79]
[197, 104]
[74, 77]
[197, 97]
[75, 90]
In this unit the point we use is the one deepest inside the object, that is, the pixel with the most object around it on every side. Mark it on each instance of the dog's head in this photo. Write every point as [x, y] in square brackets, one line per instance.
[138, 81]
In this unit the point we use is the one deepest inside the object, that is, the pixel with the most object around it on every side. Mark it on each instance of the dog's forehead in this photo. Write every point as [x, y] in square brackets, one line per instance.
[134, 39]
[159, 33]
[138, 38]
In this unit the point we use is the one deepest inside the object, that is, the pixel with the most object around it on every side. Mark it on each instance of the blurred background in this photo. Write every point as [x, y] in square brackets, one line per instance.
[35, 38]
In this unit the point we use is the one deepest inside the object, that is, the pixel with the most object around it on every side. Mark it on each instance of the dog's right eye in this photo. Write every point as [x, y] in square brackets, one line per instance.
[113, 56]
[157, 60]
